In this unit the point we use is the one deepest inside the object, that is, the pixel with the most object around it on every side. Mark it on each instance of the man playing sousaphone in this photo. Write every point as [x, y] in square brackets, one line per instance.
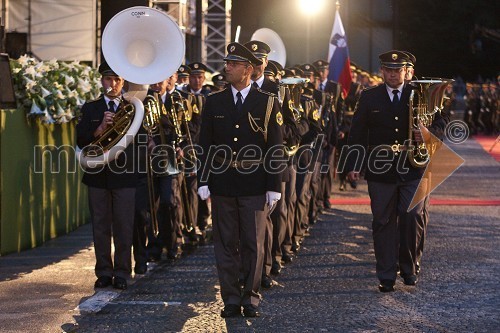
[111, 187]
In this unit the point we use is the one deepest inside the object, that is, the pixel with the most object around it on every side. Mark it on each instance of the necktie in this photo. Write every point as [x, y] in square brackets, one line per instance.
[255, 85]
[111, 106]
[395, 99]
[321, 86]
[239, 101]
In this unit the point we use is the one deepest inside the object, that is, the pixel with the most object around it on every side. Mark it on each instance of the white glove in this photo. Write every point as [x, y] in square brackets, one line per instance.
[272, 198]
[204, 192]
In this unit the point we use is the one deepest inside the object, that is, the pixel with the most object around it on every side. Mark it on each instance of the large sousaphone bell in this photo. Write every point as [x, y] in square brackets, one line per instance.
[144, 46]
[271, 38]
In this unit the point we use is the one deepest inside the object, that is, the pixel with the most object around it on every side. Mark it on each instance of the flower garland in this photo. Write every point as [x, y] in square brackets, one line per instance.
[53, 91]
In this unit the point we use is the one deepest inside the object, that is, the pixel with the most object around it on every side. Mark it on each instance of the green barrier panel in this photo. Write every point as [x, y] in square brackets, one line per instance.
[42, 196]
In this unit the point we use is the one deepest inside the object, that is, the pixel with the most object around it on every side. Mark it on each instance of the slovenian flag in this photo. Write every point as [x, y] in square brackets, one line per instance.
[338, 55]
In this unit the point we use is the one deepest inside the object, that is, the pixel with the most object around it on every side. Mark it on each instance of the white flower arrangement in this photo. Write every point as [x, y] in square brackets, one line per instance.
[53, 91]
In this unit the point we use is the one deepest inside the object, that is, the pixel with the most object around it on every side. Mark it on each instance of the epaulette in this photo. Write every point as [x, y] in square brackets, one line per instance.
[216, 92]
[370, 88]
[266, 92]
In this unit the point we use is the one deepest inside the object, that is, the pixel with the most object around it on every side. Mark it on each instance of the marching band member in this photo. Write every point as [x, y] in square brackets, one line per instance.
[238, 121]
[111, 188]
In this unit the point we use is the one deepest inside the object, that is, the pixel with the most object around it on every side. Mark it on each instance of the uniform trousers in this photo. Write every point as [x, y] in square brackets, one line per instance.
[239, 225]
[302, 188]
[141, 222]
[290, 203]
[112, 214]
[396, 232]
[192, 192]
[167, 188]
[279, 220]
[327, 174]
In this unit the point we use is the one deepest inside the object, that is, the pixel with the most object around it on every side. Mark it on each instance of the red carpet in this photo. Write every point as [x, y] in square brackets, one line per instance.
[487, 142]
[439, 202]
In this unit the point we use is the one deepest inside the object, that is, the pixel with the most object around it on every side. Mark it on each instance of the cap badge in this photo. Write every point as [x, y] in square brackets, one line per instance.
[196, 66]
[254, 47]
[181, 69]
[232, 48]
[394, 56]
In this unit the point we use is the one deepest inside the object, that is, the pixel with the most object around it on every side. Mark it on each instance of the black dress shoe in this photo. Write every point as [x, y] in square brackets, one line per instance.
[250, 311]
[410, 280]
[231, 310]
[141, 269]
[276, 268]
[287, 258]
[296, 247]
[103, 282]
[386, 286]
[417, 268]
[266, 282]
[119, 283]
[327, 204]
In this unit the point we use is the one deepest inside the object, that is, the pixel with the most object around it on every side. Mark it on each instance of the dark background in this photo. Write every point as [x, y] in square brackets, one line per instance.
[439, 32]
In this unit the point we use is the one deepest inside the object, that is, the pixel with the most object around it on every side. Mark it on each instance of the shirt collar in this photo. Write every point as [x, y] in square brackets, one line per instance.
[389, 90]
[244, 92]
[115, 100]
[259, 81]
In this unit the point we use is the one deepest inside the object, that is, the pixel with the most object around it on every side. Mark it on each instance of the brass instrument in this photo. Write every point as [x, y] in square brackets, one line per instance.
[122, 121]
[289, 92]
[426, 99]
[151, 122]
[181, 114]
[126, 54]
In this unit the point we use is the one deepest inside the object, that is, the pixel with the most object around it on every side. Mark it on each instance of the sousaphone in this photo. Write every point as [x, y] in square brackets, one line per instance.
[271, 38]
[144, 46]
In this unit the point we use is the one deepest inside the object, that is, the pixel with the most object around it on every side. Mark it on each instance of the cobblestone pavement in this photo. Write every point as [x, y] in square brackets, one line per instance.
[331, 286]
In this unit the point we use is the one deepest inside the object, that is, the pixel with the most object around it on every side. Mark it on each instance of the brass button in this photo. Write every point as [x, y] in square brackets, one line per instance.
[396, 154]
[397, 130]
[235, 139]
[396, 118]
[396, 141]
[234, 153]
[237, 126]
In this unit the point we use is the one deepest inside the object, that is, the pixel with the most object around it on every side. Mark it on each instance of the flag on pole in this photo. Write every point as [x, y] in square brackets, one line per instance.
[338, 56]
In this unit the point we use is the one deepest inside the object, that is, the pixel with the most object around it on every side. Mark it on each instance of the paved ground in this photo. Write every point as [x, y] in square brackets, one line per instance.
[331, 287]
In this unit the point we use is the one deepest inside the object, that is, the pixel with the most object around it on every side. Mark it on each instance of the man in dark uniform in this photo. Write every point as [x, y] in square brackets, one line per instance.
[219, 81]
[240, 135]
[259, 81]
[167, 179]
[379, 132]
[183, 76]
[111, 188]
[260, 51]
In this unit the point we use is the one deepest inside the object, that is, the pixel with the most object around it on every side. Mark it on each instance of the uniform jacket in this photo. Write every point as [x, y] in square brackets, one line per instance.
[120, 173]
[377, 122]
[223, 125]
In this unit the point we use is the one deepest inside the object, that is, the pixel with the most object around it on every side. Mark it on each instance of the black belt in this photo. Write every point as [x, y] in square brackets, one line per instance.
[237, 164]
[395, 148]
